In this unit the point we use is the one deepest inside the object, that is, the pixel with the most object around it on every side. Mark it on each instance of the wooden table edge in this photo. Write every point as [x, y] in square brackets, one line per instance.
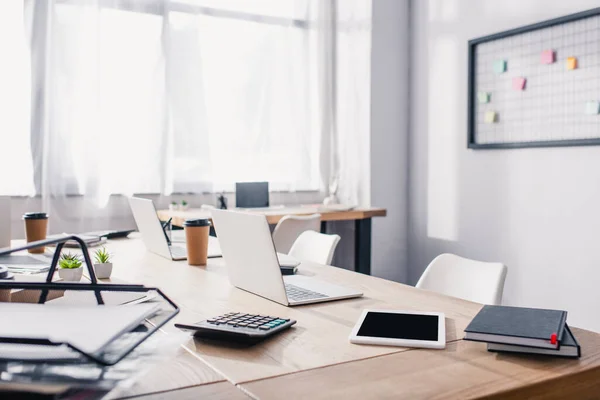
[349, 215]
[579, 384]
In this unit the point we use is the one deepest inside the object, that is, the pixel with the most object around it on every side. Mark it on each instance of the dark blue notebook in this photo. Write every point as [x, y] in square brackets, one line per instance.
[533, 327]
[569, 347]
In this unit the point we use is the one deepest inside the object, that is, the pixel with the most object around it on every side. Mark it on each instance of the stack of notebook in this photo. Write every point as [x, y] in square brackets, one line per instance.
[524, 330]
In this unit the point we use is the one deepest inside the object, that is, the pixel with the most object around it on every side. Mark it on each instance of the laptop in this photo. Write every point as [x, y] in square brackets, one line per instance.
[154, 236]
[252, 195]
[252, 263]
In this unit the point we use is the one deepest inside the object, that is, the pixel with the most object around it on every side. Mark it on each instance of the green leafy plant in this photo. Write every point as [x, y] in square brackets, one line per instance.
[174, 203]
[70, 261]
[102, 256]
[184, 203]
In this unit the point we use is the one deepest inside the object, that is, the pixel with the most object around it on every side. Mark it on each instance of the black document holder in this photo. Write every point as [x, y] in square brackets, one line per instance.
[120, 347]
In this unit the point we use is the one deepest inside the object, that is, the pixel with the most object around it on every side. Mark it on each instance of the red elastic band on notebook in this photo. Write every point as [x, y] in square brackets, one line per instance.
[554, 338]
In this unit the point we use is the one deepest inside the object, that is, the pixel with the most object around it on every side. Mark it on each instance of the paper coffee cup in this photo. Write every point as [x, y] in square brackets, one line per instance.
[36, 227]
[196, 238]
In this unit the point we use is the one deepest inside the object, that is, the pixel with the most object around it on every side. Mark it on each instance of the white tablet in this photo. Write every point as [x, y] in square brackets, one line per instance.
[400, 328]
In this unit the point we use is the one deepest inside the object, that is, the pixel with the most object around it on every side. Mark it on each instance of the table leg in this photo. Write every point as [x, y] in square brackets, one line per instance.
[323, 226]
[362, 246]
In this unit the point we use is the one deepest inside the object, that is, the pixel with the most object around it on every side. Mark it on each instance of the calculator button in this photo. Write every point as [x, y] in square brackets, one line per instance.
[242, 324]
[264, 327]
[231, 323]
[253, 326]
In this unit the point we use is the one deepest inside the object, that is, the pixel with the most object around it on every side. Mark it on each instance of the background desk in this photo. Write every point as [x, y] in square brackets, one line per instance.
[360, 216]
[315, 359]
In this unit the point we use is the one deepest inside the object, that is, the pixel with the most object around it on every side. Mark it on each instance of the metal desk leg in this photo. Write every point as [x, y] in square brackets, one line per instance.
[362, 246]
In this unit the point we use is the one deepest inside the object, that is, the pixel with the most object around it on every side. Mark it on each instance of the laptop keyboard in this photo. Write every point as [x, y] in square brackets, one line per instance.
[178, 251]
[295, 293]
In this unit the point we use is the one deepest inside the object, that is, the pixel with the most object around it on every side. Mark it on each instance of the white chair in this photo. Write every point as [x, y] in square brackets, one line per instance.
[290, 227]
[478, 281]
[315, 247]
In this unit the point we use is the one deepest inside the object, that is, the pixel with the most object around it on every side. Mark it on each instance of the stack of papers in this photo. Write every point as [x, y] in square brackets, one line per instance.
[87, 328]
[21, 264]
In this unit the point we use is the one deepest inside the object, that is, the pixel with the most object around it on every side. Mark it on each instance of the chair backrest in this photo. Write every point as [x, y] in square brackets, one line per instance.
[478, 281]
[315, 247]
[290, 227]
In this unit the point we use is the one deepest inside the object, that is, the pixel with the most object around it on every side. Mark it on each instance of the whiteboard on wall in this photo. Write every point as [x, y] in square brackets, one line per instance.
[536, 86]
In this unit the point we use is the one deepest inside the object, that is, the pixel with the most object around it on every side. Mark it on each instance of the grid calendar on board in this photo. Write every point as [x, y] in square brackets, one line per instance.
[542, 85]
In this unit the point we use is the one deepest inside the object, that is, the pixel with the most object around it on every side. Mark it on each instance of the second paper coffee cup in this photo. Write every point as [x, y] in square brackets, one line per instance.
[196, 238]
[36, 227]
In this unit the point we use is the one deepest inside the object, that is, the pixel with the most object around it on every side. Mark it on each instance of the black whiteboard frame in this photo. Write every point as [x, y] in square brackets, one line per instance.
[471, 143]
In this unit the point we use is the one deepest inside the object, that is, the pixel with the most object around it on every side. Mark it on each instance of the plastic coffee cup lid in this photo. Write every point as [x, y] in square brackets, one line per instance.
[196, 222]
[35, 215]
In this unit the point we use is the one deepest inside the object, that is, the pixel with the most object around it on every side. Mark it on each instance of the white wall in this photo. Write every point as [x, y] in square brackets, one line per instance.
[536, 210]
[389, 133]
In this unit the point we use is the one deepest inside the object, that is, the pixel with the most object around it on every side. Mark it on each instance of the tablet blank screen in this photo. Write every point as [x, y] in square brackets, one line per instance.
[400, 326]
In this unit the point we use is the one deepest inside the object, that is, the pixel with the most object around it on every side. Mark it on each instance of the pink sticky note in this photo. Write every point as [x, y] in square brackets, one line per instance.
[519, 83]
[548, 56]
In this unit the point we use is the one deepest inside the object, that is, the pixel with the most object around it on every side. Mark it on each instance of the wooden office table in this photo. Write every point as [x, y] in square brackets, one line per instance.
[361, 217]
[315, 360]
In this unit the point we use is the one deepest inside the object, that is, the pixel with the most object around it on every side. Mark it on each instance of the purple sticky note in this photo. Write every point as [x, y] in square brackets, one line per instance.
[548, 56]
[519, 83]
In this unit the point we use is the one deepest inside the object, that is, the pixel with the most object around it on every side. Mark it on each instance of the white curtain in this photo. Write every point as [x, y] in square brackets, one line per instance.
[163, 96]
[16, 169]
[352, 176]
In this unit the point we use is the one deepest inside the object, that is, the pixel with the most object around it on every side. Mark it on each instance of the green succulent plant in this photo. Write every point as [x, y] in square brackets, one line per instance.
[184, 203]
[70, 261]
[102, 256]
[174, 203]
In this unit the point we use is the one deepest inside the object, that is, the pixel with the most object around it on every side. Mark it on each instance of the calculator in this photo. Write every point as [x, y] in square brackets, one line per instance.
[238, 327]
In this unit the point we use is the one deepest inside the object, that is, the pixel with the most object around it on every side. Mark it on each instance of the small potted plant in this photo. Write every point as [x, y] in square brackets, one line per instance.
[173, 206]
[102, 265]
[184, 205]
[70, 267]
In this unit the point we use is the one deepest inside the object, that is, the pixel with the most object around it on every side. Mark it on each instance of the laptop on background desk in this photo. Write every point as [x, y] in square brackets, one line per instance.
[253, 195]
[252, 263]
[154, 236]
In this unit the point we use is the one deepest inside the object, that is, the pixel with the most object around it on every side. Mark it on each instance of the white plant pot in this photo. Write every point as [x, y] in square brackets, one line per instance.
[70, 274]
[173, 207]
[103, 271]
[183, 208]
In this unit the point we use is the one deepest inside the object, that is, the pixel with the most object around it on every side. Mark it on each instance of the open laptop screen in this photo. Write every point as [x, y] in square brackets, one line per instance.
[252, 194]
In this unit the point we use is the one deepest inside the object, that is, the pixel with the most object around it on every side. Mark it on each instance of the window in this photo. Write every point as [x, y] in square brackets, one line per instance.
[252, 80]
[15, 160]
[160, 96]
